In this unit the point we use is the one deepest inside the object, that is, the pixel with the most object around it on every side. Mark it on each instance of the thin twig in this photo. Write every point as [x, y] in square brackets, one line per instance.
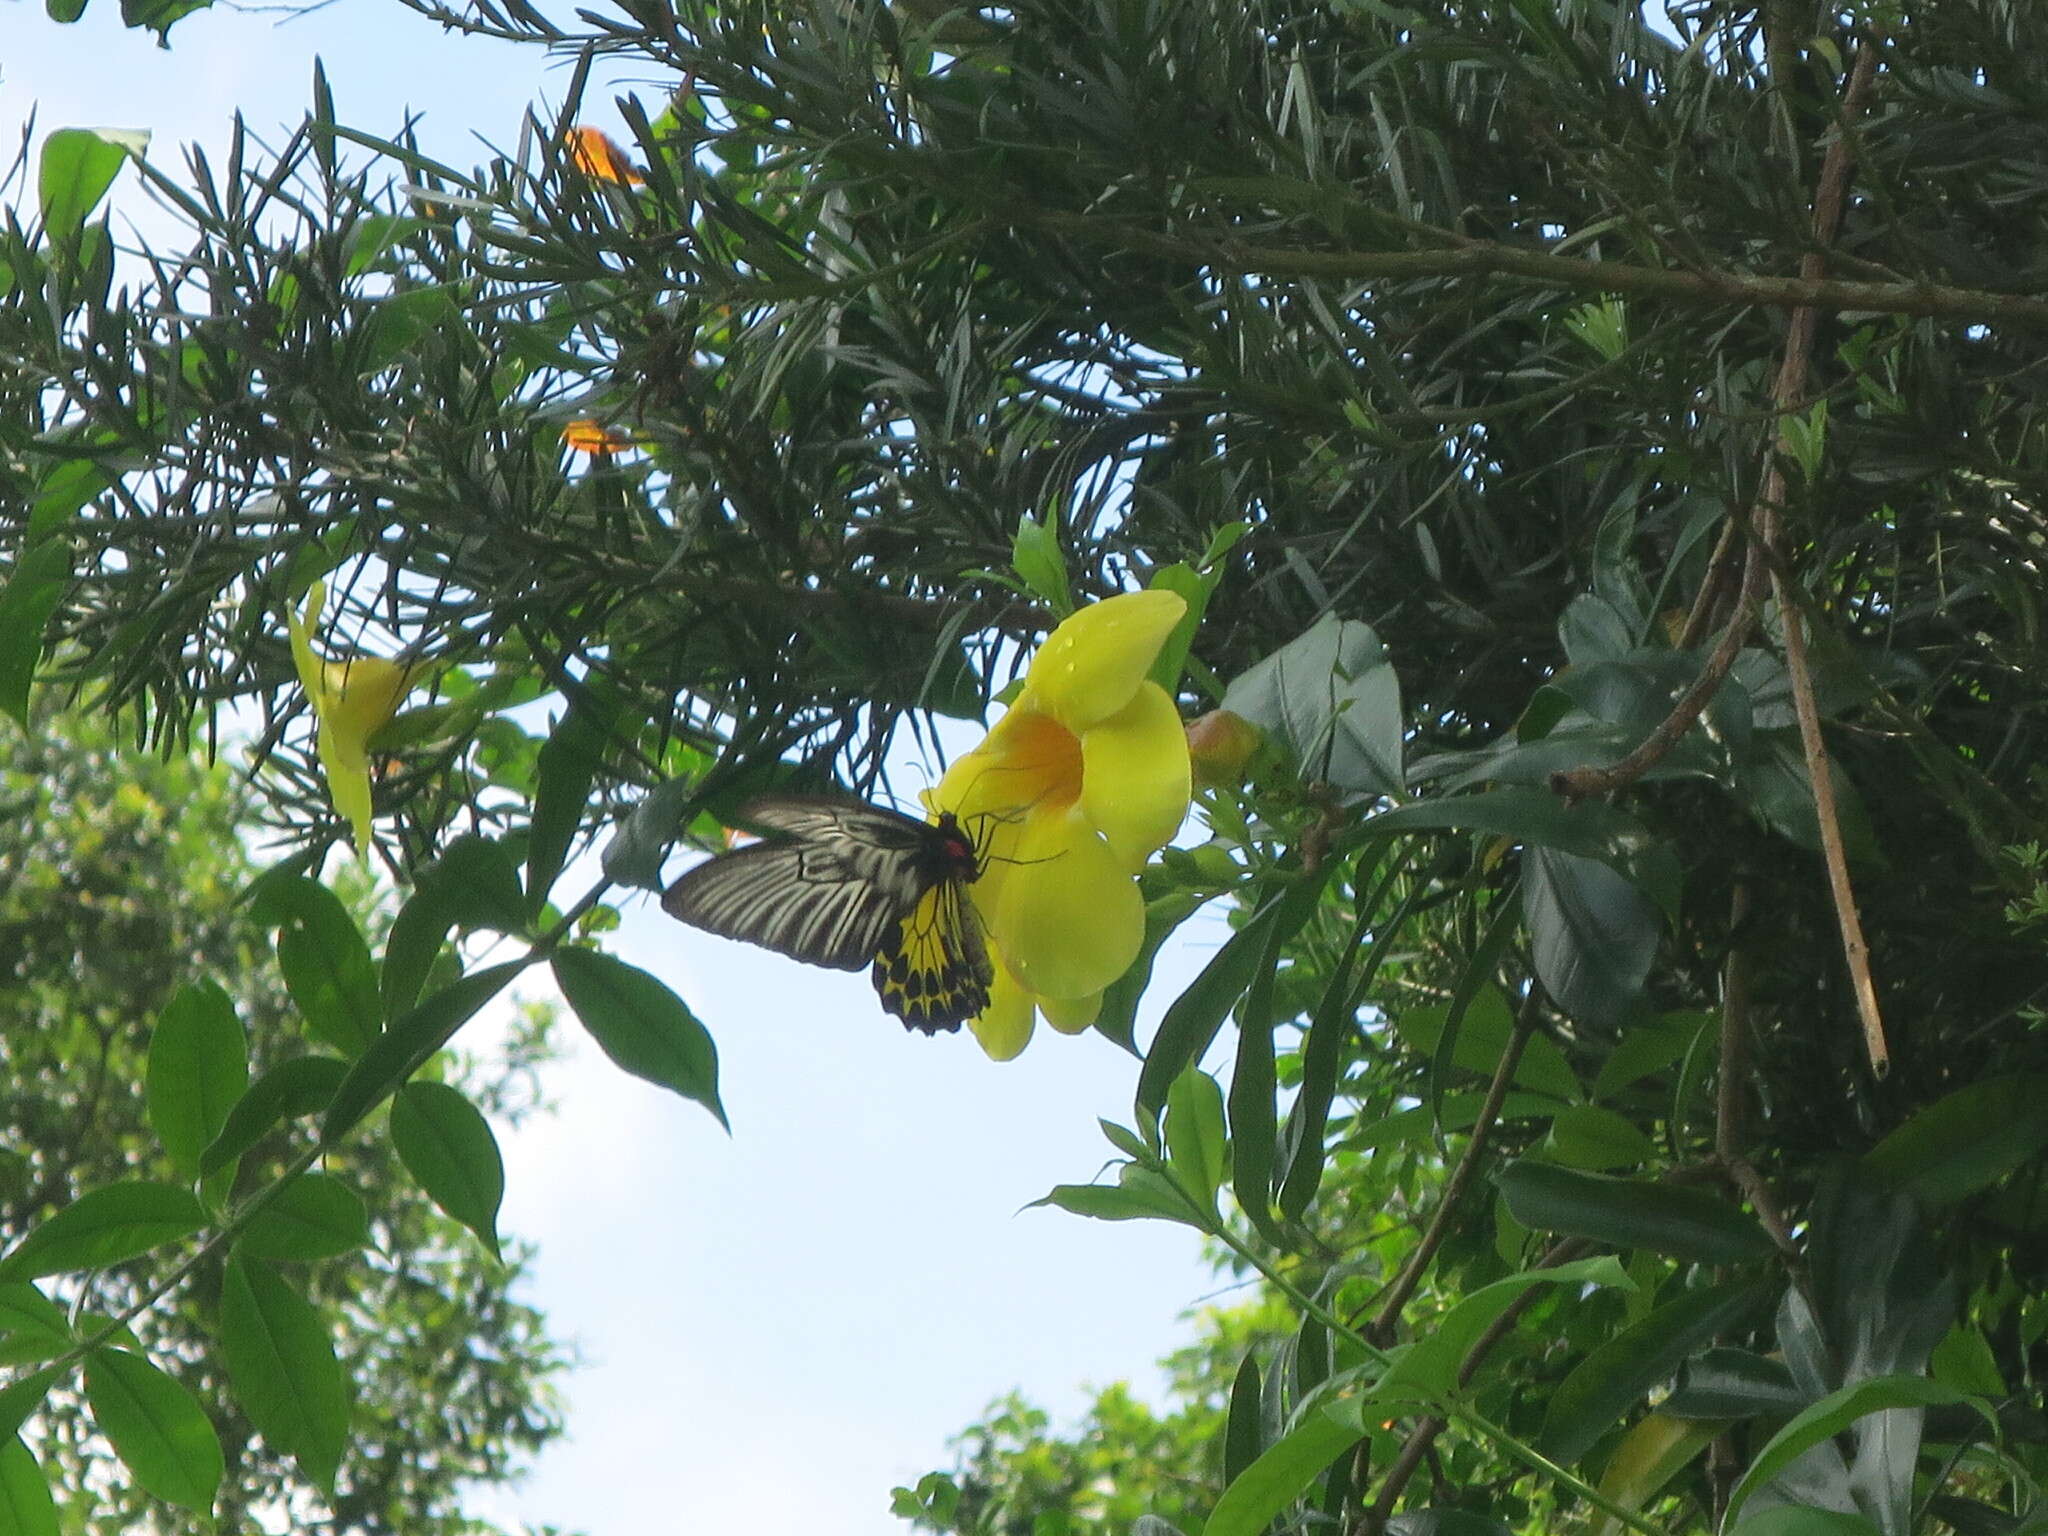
[1484, 258]
[1420, 1439]
[1381, 1328]
[1728, 1138]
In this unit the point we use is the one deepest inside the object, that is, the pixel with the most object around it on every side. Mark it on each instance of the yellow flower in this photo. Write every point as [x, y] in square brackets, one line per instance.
[352, 700]
[1073, 789]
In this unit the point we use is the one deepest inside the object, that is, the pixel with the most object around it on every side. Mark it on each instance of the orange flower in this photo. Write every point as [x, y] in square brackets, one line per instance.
[588, 435]
[594, 154]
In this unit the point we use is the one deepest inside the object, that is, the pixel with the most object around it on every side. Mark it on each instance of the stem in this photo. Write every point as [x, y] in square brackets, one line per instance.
[1418, 1260]
[1456, 1413]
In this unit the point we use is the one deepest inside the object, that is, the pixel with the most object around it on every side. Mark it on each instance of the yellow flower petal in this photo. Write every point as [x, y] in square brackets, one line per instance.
[1092, 663]
[312, 676]
[1071, 1015]
[348, 782]
[1067, 918]
[1004, 1027]
[1135, 775]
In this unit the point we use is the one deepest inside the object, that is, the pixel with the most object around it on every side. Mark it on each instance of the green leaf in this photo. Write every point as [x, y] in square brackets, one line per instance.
[1617, 1375]
[1631, 1213]
[641, 1025]
[1266, 1487]
[1802, 1520]
[1427, 1371]
[1036, 554]
[32, 1327]
[1197, 1152]
[1730, 1383]
[327, 966]
[1483, 1036]
[77, 167]
[280, 1358]
[404, 1048]
[316, 1216]
[567, 764]
[34, 588]
[1445, 1522]
[447, 1145]
[1244, 1425]
[156, 1427]
[1593, 1137]
[24, 1395]
[1120, 1001]
[198, 1069]
[105, 1226]
[1830, 1417]
[26, 1508]
[1655, 1450]
[1192, 1019]
[1967, 1139]
[1140, 1195]
[1331, 698]
[1592, 934]
[296, 1086]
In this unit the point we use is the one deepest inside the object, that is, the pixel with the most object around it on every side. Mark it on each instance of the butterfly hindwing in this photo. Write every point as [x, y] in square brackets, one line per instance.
[841, 883]
[934, 971]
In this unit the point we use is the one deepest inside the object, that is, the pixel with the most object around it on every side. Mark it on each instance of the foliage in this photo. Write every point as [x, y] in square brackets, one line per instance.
[120, 885]
[1603, 451]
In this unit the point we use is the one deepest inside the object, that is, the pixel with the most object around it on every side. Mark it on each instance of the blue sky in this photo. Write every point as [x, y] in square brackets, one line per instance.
[781, 1324]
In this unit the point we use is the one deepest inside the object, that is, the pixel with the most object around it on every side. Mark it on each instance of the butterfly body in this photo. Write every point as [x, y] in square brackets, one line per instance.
[844, 884]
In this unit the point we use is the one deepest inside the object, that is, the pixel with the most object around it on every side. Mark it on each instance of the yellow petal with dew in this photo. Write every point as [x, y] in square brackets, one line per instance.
[1092, 663]
[1135, 775]
[1068, 917]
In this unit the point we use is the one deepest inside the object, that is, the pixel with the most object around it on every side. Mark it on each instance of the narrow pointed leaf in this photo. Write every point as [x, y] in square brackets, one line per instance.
[1632, 1213]
[296, 1086]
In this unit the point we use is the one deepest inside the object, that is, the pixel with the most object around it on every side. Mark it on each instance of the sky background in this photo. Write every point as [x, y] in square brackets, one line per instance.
[780, 1325]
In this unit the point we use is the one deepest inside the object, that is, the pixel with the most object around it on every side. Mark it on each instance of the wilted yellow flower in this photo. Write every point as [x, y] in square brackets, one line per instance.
[594, 154]
[1072, 790]
[352, 700]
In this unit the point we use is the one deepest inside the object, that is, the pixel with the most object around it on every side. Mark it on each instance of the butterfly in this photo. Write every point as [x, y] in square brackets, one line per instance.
[844, 884]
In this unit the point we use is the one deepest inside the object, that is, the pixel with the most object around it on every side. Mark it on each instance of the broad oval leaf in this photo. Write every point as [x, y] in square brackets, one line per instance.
[280, 1357]
[156, 1427]
[1631, 1213]
[1331, 697]
[198, 1068]
[641, 1024]
[77, 167]
[1197, 1151]
[1592, 934]
[105, 1226]
[316, 1216]
[447, 1145]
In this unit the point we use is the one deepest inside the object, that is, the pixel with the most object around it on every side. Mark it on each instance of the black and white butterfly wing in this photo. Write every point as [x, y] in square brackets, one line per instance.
[830, 886]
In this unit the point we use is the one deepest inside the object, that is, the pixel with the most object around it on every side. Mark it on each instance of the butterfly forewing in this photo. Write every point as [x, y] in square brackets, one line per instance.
[841, 883]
